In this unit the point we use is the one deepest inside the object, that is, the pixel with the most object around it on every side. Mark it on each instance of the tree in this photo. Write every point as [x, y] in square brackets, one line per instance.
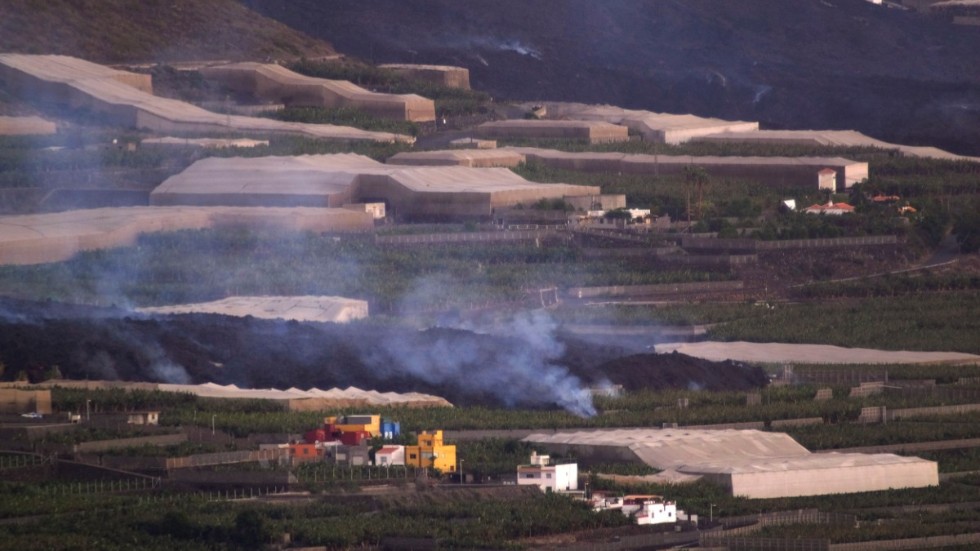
[967, 230]
[695, 178]
[251, 530]
[53, 372]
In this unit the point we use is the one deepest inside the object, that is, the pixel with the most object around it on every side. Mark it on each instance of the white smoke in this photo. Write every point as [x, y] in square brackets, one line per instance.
[510, 359]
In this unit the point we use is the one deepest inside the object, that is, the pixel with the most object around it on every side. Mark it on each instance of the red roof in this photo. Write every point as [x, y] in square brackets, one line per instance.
[388, 449]
[830, 206]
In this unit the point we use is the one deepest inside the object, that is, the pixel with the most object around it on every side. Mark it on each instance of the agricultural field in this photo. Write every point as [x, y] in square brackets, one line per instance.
[470, 322]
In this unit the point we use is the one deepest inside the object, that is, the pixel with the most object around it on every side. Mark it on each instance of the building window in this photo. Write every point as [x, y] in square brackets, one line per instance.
[547, 475]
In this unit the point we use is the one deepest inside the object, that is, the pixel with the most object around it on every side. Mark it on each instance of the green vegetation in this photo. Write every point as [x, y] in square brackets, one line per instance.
[892, 285]
[697, 497]
[944, 321]
[192, 266]
[120, 522]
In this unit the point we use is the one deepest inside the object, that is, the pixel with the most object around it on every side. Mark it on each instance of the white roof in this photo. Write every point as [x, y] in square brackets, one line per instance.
[26, 126]
[774, 352]
[52, 237]
[640, 159]
[813, 461]
[214, 143]
[726, 451]
[103, 84]
[647, 121]
[305, 174]
[371, 397]
[299, 308]
[460, 157]
[337, 173]
[670, 448]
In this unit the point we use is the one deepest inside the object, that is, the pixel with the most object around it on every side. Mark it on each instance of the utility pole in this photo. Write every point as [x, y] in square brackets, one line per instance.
[460, 472]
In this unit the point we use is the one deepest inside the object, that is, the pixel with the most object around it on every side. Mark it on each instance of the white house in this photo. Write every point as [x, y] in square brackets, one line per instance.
[656, 512]
[540, 473]
[831, 207]
[389, 456]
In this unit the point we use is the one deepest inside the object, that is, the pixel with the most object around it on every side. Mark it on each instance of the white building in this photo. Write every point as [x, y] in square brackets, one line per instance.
[540, 473]
[832, 208]
[656, 511]
[827, 179]
[389, 456]
[750, 463]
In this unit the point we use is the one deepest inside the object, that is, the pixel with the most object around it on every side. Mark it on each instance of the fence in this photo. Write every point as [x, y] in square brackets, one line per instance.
[104, 486]
[103, 445]
[644, 290]
[222, 458]
[838, 376]
[642, 541]
[468, 237]
[17, 460]
[736, 528]
[927, 411]
[769, 544]
[697, 243]
[932, 542]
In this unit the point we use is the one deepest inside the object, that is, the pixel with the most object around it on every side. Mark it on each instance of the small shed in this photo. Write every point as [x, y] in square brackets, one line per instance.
[347, 455]
[143, 418]
[827, 179]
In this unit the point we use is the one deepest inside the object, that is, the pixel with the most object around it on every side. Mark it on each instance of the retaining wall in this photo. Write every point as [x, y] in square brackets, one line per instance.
[103, 445]
[695, 243]
[466, 237]
[222, 458]
[934, 542]
[644, 290]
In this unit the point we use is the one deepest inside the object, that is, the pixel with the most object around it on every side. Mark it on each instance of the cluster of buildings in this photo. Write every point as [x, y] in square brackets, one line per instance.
[750, 463]
[540, 471]
[348, 440]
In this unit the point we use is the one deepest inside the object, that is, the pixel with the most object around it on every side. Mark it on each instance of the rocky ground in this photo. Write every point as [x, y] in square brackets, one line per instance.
[466, 367]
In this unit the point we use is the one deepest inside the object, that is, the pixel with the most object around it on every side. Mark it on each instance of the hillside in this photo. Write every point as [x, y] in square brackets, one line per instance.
[149, 30]
[838, 64]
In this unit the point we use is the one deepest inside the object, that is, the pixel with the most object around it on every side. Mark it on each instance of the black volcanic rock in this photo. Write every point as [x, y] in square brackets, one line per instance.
[466, 367]
[823, 64]
[674, 370]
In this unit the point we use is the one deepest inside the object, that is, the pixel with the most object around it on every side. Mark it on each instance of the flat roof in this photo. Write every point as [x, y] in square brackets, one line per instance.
[105, 84]
[721, 451]
[823, 162]
[814, 461]
[298, 308]
[337, 173]
[459, 157]
[774, 352]
[52, 237]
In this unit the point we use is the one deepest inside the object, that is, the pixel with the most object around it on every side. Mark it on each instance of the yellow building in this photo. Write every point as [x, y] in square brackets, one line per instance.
[356, 423]
[431, 452]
